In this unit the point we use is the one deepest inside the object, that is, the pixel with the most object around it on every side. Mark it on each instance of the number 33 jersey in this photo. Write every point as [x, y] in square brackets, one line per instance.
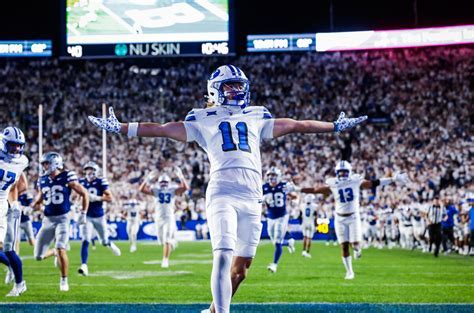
[231, 138]
[10, 172]
[346, 193]
[57, 193]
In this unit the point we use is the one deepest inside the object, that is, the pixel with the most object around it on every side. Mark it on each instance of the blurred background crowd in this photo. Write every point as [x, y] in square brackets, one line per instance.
[419, 103]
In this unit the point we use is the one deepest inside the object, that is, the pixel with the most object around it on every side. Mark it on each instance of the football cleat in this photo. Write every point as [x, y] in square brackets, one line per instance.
[306, 254]
[349, 275]
[17, 290]
[357, 254]
[165, 263]
[83, 270]
[272, 267]
[115, 249]
[291, 245]
[133, 248]
[63, 285]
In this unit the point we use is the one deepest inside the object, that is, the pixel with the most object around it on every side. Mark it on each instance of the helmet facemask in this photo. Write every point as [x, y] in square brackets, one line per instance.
[343, 175]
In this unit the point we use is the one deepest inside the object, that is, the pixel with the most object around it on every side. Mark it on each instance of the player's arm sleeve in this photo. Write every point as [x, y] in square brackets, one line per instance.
[266, 124]
[105, 184]
[193, 129]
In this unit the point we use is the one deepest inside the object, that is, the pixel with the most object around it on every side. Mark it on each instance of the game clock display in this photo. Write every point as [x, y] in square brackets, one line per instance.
[126, 28]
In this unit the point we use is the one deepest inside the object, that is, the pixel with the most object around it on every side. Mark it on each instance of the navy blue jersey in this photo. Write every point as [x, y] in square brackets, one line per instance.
[25, 200]
[275, 199]
[371, 217]
[57, 193]
[95, 187]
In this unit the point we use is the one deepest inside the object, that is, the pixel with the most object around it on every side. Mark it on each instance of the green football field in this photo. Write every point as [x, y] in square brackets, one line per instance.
[382, 276]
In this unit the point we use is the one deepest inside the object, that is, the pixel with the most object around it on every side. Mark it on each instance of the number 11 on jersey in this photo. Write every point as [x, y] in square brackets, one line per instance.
[228, 142]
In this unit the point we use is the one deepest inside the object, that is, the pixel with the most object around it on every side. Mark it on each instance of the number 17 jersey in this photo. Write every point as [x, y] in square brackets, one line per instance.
[346, 193]
[231, 137]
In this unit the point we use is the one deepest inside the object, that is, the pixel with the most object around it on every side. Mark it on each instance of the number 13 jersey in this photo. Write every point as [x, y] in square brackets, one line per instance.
[346, 193]
[231, 137]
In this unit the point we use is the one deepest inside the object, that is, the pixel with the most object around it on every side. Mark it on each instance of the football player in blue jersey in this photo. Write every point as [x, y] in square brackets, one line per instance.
[55, 188]
[12, 182]
[274, 198]
[275, 193]
[99, 192]
[230, 131]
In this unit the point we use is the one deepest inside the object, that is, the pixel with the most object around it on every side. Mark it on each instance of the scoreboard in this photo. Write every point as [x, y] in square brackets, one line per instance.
[147, 28]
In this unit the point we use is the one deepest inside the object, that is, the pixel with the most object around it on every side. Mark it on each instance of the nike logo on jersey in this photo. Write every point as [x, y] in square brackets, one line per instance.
[245, 112]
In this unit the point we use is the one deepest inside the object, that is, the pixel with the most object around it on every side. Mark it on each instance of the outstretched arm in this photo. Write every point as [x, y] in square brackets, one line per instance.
[401, 178]
[323, 189]
[183, 186]
[284, 126]
[173, 130]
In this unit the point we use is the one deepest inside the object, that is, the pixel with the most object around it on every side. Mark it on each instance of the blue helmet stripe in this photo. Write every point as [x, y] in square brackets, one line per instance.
[16, 133]
[239, 72]
[232, 69]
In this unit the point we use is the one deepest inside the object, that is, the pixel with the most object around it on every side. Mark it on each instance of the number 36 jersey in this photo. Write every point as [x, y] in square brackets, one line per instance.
[346, 193]
[57, 193]
[231, 137]
[10, 172]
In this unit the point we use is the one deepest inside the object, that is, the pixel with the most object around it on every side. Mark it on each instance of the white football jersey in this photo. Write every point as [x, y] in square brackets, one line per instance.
[231, 137]
[10, 172]
[346, 193]
[133, 210]
[308, 212]
[165, 201]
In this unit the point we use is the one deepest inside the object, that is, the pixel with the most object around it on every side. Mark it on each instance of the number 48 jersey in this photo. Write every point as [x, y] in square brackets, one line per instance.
[346, 193]
[231, 137]
[275, 198]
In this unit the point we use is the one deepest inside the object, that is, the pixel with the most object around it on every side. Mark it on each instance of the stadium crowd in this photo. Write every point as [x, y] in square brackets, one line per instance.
[419, 102]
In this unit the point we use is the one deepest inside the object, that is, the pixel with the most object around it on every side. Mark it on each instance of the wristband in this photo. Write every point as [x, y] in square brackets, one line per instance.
[132, 129]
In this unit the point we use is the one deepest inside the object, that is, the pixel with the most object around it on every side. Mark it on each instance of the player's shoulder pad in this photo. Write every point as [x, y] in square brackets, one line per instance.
[259, 112]
[23, 160]
[191, 116]
[356, 177]
[103, 181]
[70, 176]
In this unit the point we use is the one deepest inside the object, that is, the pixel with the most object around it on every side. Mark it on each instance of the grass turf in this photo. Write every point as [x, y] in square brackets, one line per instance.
[382, 276]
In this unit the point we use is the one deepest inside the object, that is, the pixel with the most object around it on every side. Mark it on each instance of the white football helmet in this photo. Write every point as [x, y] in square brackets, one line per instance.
[95, 170]
[236, 94]
[309, 198]
[164, 180]
[54, 160]
[12, 135]
[273, 175]
[343, 170]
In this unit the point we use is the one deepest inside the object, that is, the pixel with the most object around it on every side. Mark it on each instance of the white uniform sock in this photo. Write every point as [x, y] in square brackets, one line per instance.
[221, 284]
[347, 263]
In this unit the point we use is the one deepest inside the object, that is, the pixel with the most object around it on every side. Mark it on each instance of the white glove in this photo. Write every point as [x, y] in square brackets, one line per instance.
[149, 178]
[27, 210]
[400, 177]
[94, 198]
[110, 124]
[344, 123]
[82, 219]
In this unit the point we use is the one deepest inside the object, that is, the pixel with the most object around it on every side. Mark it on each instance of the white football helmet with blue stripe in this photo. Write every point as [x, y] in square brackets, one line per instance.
[236, 94]
[95, 170]
[273, 175]
[13, 136]
[343, 170]
[54, 160]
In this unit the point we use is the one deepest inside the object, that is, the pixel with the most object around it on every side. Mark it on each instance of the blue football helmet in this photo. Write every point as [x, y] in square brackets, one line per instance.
[95, 170]
[54, 160]
[343, 170]
[11, 138]
[228, 85]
